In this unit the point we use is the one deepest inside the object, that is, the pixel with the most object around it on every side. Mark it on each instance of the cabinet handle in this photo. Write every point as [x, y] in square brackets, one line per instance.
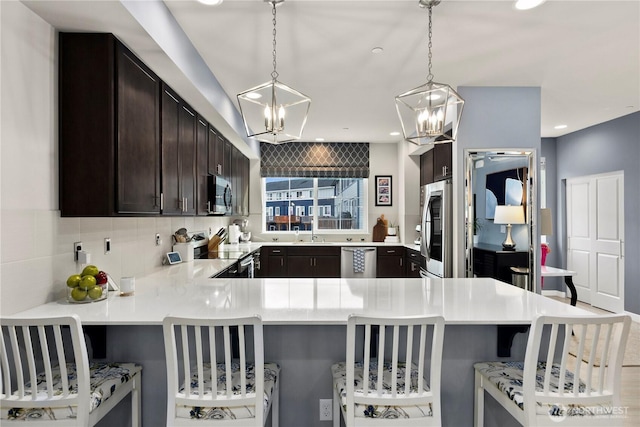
[444, 171]
[161, 201]
[208, 207]
[391, 252]
[281, 262]
[275, 251]
[401, 263]
[310, 262]
[219, 169]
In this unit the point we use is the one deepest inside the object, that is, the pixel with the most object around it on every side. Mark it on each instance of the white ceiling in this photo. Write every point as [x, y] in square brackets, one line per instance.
[585, 55]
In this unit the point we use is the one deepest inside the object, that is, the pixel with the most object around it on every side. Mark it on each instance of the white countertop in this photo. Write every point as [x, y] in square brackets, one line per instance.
[185, 289]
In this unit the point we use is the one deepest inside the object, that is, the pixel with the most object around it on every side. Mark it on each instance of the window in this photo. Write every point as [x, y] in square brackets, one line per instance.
[326, 204]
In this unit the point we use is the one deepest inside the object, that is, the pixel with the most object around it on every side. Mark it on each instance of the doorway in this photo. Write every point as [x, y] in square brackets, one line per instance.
[595, 238]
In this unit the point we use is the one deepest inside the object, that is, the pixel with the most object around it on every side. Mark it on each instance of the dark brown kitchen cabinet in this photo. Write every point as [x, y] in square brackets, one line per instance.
[307, 261]
[109, 129]
[413, 261]
[276, 261]
[390, 262]
[442, 161]
[493, 261]
[236, 180]
[219, 154]
[436, 164]
[426, 168]
[178, 155]
[202, 165]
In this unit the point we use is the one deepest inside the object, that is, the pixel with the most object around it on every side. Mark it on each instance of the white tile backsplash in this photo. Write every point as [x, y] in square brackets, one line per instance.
[37, 250]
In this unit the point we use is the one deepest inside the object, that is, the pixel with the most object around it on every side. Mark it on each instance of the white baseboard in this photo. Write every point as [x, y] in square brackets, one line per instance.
[554, 293]
[635, 317]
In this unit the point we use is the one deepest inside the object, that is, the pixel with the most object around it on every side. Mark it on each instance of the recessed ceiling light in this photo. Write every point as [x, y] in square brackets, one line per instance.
[560, 127]
[254, 95]
[395, 133]
[319, 139]
[528, 4]
[377, 50]
[211, 2]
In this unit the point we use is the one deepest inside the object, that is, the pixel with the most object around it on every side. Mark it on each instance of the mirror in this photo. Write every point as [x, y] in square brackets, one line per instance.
[495, 179]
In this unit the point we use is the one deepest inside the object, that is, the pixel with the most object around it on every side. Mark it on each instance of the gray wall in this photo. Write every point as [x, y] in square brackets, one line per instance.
[493, 117]
[548, 151]
[607, 147]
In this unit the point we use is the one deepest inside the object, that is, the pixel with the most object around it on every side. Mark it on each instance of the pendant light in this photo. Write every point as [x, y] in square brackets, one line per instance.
[273, 112]
[430, 113]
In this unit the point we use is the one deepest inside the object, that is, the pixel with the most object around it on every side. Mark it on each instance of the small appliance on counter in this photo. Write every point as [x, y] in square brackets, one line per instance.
[189, 246]
[419, 231]
[234, 234]
[245, 235]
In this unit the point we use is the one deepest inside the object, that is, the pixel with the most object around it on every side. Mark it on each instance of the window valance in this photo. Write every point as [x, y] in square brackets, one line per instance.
[315, 160]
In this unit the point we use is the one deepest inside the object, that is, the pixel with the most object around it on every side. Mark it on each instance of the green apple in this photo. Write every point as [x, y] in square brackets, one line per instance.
[90, 270]
[95, 293]
[74, 280]
[78, 294]
[88, 282]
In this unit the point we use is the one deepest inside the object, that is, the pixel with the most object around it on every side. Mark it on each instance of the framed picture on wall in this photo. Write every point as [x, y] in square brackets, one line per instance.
[383, 190]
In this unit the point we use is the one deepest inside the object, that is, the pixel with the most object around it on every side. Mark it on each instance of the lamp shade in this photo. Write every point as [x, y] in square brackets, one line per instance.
[546, 222]
[509, 215]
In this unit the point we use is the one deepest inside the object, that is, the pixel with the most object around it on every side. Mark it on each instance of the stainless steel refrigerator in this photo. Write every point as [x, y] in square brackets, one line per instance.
[436, 239]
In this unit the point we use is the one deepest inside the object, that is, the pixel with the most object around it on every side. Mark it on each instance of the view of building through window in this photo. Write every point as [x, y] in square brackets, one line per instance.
[326, 204]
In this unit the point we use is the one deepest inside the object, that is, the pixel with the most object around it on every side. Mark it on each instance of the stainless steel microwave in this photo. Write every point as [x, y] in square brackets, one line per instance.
[219, 196]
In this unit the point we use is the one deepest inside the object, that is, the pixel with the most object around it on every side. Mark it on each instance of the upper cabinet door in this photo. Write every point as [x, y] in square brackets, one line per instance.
[442, 161]
[170, 149]
[138, 140]
[187, 156]
[178, 155]
[202, 156]
[109, 121]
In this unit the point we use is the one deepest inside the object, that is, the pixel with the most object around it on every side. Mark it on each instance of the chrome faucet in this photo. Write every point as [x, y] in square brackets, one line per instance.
[313, 235]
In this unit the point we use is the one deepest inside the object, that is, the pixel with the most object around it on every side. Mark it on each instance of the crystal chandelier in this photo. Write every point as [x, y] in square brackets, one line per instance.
[430, 113]
[274, 112]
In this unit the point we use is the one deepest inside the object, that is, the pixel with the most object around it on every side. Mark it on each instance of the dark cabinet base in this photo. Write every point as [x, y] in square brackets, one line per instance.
[492, 261]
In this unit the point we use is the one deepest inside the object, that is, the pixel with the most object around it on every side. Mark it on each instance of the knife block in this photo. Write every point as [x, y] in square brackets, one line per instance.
[213, 243]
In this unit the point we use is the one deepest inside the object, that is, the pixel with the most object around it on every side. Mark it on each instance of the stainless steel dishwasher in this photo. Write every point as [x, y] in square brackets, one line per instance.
[365, 257]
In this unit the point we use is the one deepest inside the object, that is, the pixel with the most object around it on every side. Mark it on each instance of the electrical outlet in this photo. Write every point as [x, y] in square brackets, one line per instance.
[77, 247]
[326, 409]
[107, 245]
[503, 229]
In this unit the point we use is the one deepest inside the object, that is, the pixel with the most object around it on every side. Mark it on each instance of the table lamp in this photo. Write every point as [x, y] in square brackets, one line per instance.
[509, 215]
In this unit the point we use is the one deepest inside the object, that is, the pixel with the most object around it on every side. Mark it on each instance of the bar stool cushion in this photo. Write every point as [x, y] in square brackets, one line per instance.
[339, 374]
[105, 380]
[507, 376]
[271, 372]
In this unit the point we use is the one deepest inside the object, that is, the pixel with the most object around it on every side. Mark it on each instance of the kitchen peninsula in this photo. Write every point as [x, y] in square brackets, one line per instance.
[305, 329]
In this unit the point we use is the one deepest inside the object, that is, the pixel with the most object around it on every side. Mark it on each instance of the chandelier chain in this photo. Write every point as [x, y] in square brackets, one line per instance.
[430, 75]
[274, 73]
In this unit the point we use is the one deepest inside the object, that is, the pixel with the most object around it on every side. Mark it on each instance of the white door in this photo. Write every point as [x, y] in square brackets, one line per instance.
[595, 232]
[579, 234]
